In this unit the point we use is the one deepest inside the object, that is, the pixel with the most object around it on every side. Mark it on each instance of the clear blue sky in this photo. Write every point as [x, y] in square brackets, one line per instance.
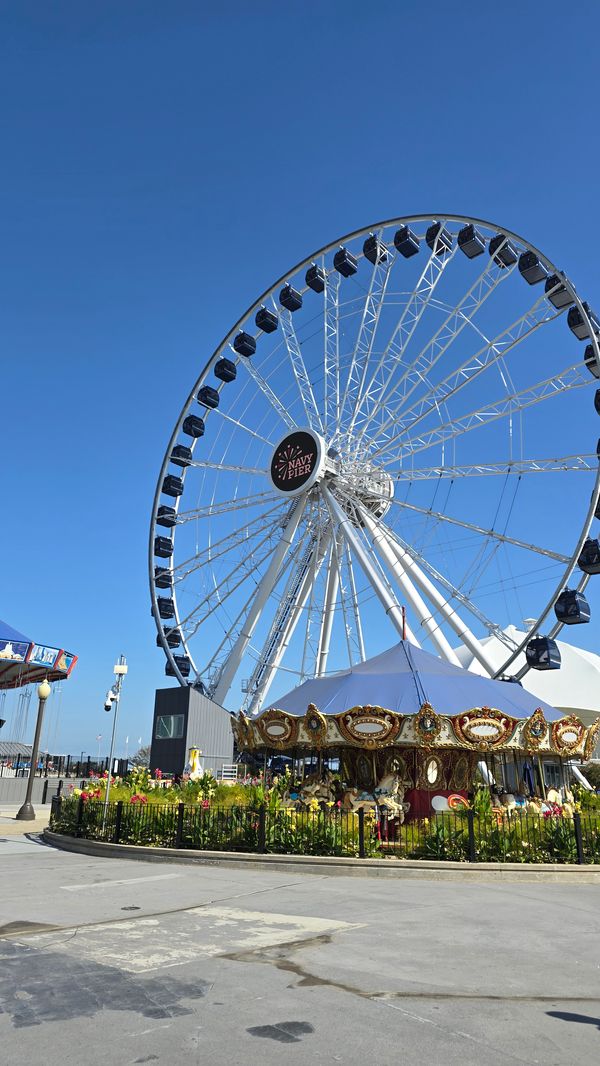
[161, 167]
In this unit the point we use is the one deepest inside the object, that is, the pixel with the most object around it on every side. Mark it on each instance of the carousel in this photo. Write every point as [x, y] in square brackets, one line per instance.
[409, 734]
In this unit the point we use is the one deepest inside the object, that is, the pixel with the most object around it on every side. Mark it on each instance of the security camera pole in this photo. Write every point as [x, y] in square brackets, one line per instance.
[113, 696]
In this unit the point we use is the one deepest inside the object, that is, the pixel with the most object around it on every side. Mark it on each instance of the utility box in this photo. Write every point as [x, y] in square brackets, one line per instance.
[184, 719]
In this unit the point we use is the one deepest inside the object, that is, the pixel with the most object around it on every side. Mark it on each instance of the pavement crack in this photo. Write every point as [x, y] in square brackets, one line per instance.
[280, 956]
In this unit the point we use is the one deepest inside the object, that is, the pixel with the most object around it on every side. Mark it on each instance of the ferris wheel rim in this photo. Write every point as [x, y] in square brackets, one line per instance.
[265, 296]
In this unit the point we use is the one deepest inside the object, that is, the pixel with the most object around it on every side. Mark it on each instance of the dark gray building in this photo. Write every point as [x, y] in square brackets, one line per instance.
[184, 719]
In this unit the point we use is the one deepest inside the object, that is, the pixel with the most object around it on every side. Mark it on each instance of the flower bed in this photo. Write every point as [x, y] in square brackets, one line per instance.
[253, 817]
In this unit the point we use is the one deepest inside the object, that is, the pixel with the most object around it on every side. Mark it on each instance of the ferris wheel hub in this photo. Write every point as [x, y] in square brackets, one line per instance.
[299, 462]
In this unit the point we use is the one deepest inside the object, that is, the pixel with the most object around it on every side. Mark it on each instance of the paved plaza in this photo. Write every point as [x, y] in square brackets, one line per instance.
[116, 962]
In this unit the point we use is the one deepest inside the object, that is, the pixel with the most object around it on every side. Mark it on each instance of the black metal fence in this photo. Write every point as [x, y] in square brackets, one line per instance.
[460, 836]
[17, 765]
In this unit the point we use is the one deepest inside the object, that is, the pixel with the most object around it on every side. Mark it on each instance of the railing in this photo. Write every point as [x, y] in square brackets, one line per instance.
[228, 772]
[462, 837]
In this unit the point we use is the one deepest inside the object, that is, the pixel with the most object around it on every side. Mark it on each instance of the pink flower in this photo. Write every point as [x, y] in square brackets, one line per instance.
[205, 803]
[158, 774]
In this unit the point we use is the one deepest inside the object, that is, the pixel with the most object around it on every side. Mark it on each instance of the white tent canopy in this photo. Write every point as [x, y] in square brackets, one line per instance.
[574, 689]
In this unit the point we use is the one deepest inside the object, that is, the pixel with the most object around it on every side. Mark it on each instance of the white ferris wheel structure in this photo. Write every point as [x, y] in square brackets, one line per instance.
[396, 439]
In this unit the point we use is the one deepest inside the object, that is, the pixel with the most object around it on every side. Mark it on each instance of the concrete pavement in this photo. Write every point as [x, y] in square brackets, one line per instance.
[9, 826]
[117, 961]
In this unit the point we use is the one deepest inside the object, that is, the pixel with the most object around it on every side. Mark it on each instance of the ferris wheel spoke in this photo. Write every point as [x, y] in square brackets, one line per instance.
[405, 581]
[492, 352]
[492, 533]
[322, 544]
[241, 425]
[410, 317]
[573, 377]
[207, 464]
[267, 391]
[456, 593]
[292, 604]
[361, 354]
[331, 590]
[354, 605]
[225, 588]
[584, 464]
[331, 348]
[213, 510]
[299, 371]
[263, 591]
[380, 585]
[440, 603]
[455, 322]
[338, 546]
[232, 630]
[235, 537]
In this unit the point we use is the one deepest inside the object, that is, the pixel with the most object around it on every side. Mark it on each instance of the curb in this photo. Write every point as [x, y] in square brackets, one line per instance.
[326, 865]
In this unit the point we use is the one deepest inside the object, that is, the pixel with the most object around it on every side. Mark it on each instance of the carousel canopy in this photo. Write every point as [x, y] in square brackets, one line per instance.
[402, 679]
[23, 662]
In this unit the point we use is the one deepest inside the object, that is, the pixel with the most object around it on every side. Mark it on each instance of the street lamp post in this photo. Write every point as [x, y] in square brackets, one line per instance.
[26, 812]
[113, 696]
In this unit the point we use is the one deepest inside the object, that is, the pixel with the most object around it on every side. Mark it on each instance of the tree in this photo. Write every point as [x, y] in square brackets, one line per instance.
[142, 757]
[591, 770]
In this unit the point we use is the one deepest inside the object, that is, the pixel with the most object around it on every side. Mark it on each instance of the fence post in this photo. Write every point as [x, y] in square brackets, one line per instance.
[361, 832]
[262, 828]
[79, 817]
[471, 833]
[45, 791]
[118, 817]
[179, 829]
[578, 836]
[55, 806]
[60, 787]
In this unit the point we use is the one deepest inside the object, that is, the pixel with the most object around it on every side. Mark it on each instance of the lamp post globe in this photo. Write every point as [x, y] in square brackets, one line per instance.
[26, 812]
[44, 690]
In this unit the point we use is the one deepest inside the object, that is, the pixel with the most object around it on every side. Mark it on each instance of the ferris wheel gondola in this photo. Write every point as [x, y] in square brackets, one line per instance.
[395, 437]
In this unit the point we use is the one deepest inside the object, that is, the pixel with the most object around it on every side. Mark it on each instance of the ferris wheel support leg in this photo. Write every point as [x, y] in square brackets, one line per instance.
[303, 594]
[452, 618]
[263, 591]
[392, 608]
[331, 591]
[430, 626]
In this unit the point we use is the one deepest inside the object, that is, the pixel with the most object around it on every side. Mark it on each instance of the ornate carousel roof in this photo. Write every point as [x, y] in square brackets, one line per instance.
[406, 697]
[23, 662]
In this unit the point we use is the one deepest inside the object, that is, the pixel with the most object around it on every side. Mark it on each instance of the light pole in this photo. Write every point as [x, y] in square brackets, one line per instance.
[26, 813]
[113, 696]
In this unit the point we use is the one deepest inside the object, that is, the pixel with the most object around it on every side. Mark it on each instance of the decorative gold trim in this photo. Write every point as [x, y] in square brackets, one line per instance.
[426, 759]
[427, 725]
[466, 725]
[245, 732]
[389, 726]
[290, 727]
[396, 764]
[591, 739]
[569, 724]
[535, 730]
[461, 773]
[315, 725]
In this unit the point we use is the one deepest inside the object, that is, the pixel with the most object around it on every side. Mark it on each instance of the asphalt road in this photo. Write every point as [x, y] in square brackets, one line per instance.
[116, 962]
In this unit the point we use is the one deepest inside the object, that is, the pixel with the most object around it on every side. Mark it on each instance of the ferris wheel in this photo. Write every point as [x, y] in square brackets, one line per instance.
[397, 439]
